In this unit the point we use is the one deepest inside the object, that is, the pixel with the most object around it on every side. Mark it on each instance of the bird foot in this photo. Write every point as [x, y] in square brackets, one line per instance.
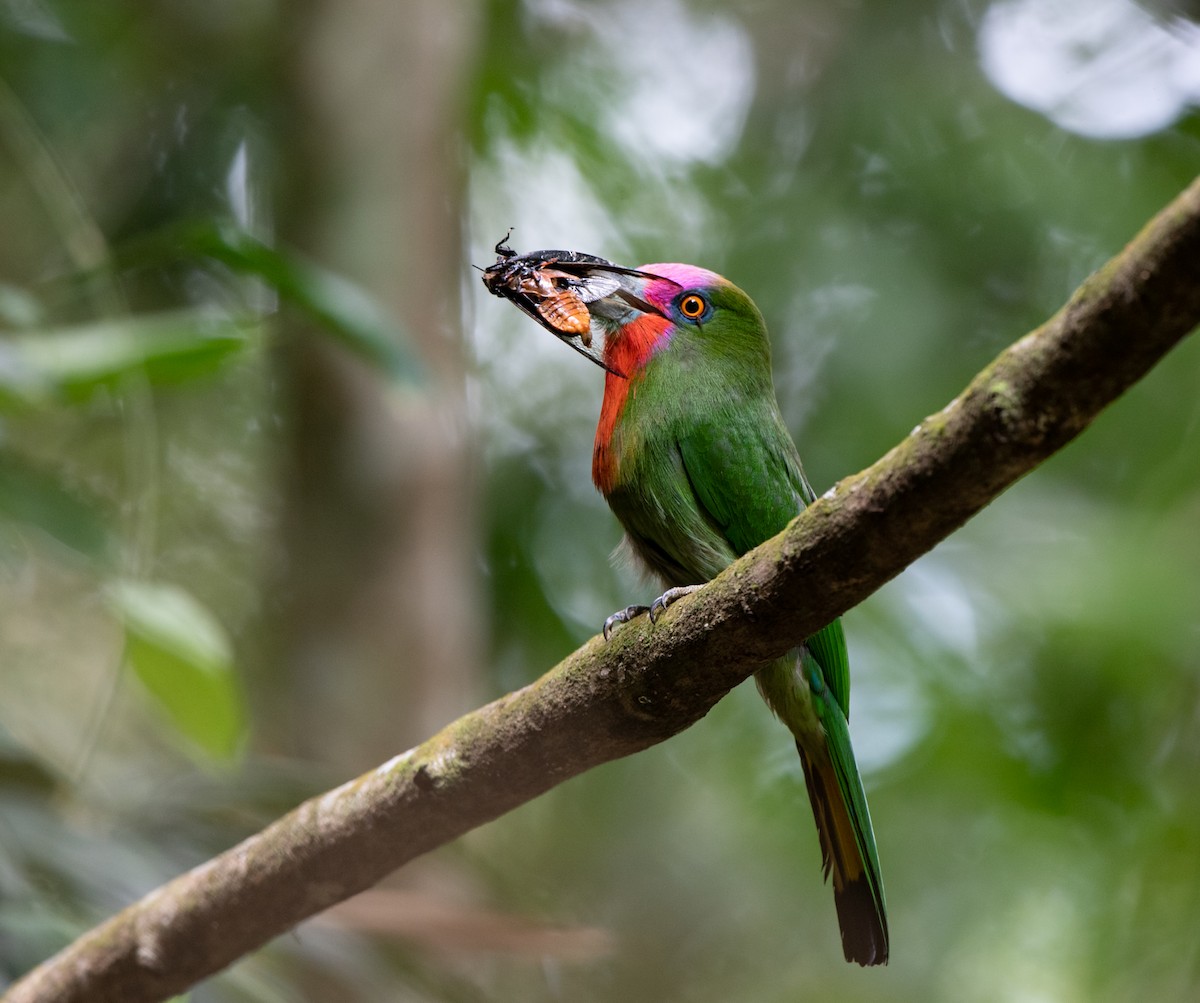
[655, 609]
[671, 596]
[622, 616]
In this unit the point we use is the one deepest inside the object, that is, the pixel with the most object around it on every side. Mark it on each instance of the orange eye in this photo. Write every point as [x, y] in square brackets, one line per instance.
[692, 306]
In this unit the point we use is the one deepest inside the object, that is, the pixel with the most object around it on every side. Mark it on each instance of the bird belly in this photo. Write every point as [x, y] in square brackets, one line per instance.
[784, 689]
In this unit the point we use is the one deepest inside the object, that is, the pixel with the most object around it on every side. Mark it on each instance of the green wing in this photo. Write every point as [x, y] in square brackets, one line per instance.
[746, 475]
[828, 647]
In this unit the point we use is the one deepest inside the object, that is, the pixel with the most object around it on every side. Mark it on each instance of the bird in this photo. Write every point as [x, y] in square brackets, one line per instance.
[694, 459]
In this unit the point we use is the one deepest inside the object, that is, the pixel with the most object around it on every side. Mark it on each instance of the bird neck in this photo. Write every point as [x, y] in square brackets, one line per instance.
[628, 350]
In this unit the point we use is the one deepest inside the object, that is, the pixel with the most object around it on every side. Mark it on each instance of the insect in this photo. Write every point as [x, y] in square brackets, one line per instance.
[555, 288]
[566, 312]
[531, 280]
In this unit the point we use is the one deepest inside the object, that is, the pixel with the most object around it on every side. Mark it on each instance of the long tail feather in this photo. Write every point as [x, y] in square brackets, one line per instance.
[797, 690]
[857, 888]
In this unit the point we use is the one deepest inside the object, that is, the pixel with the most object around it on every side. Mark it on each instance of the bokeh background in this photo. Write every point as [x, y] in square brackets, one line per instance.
[282, 490]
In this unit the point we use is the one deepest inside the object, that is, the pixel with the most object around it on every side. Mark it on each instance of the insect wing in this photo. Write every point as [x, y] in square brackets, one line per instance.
[595, 286]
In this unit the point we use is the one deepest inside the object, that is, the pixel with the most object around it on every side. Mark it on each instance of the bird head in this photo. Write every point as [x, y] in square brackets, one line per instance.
[688, 311]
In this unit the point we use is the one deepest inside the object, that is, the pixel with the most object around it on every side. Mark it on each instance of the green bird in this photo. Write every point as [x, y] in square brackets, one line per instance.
[693, 457]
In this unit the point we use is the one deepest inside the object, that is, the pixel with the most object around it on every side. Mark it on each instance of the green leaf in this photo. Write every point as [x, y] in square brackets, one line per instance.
[73, 361]
[184, 658]
[37, 498]
[343, 309]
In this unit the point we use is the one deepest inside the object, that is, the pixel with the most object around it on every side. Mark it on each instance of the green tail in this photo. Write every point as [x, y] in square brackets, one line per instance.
[844, 825]
[809, 709]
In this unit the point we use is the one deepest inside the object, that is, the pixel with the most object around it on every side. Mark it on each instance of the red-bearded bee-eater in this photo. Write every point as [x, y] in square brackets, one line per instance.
[694, 459]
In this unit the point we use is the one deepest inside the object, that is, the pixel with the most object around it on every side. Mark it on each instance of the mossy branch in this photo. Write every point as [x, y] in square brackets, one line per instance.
[650, 682]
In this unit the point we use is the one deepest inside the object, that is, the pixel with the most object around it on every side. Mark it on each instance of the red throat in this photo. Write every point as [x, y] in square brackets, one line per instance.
[627, 352]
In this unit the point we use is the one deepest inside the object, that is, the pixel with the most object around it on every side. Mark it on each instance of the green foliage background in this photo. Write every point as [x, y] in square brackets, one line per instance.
[282, 489]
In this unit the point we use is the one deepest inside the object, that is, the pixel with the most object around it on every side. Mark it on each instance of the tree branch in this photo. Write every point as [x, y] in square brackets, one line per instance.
[650, 682]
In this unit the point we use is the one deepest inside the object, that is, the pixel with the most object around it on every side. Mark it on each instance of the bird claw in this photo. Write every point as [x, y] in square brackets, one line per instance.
[668, 598]
[655, 609]
[622, 616]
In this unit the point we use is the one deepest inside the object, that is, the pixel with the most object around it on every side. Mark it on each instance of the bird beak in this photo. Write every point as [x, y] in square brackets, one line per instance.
[614, 296]
[580, 298]
[620, 295]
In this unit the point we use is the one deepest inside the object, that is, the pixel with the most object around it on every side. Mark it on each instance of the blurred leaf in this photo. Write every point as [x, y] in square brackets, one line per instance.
[18, 307]
[184, 658]
[343, 309]
[20, 770]
[38, 498]
[74, 361]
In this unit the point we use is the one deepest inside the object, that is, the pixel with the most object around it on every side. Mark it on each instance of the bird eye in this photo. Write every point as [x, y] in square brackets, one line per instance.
[692, 306]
